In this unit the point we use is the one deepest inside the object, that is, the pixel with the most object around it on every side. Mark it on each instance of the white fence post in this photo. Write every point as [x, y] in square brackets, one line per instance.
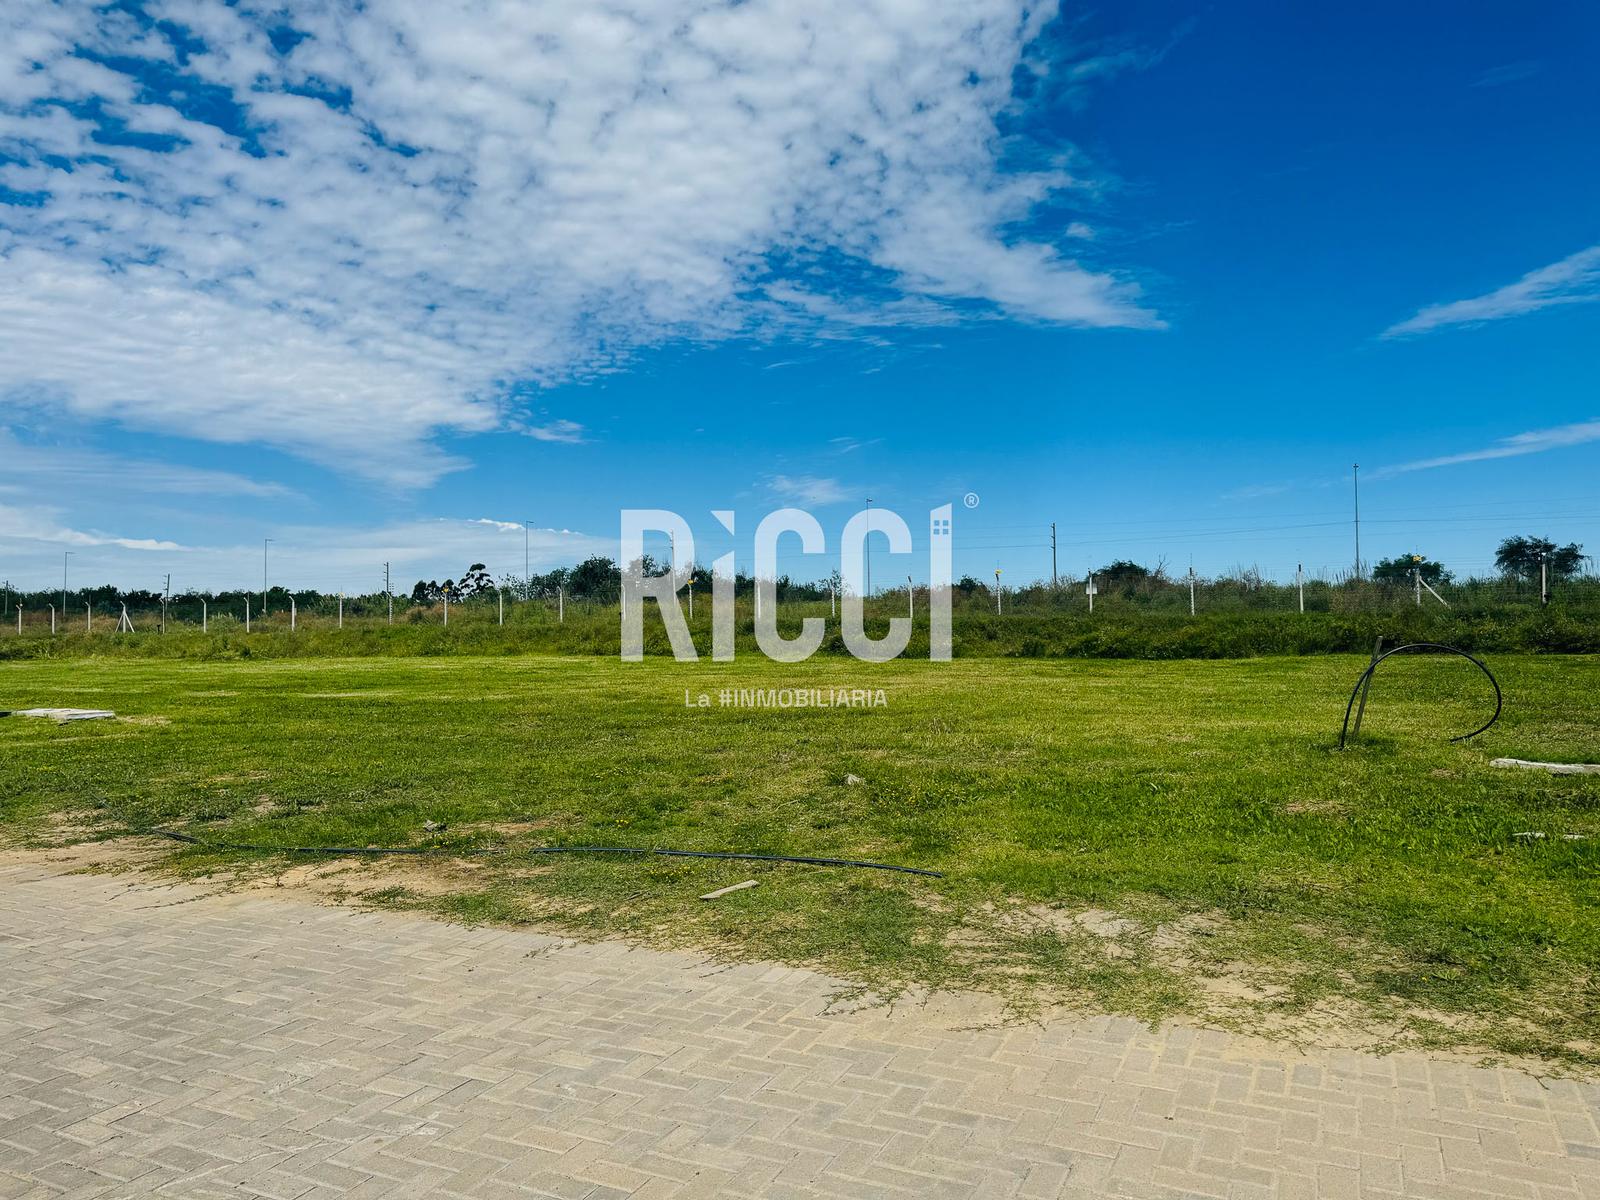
[561, 604]
[291, 614]
[247, 613]
[501, 597]
[52, 620]
[205, 617]
[88, 618]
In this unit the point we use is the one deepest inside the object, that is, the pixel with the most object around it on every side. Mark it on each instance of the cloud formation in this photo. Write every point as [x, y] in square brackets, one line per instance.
[1573, 280]
[1535, 441]
[345, 236]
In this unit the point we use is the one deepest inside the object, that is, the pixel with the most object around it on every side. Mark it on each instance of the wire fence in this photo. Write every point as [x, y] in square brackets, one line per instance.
[514, 601]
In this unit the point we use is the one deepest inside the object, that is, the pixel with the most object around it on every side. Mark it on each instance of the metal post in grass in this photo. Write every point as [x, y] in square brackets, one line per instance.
[691, 597]
[247, 614]
[1544, 580]
[19, 618]
[561, 604]
[88, 618]
[997, 591]
[1090, 591]
[389, 592]
[1191, 591]
[341, 610]
[1416, 584]
[911, 599]
[447, 608]
[291, 614]
[1377, 653]
[52, 620]
[501, 597]
[1300, 583]
[205, 617]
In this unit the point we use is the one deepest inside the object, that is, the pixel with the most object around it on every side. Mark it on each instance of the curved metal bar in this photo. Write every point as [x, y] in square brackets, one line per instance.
[1499, 698]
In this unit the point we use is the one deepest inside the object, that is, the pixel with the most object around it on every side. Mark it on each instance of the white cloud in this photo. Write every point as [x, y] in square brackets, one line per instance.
[55, 469]
[1535, 441]
[810, 490]
[1573, 280]
[557, 431]
[28, 524]
[327, 558]
[425, 201]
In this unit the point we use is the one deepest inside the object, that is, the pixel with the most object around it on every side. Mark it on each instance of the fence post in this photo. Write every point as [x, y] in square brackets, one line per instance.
[19, 618]
[341, 610]
[205, 617]
[88, 618]
[447, 608]
[911, 599]
[1377, 653]
[52, 620]
[501, 596]
[1300, 583]
[1191, 591]
[247, 613]
[291, 614]
[561, 604]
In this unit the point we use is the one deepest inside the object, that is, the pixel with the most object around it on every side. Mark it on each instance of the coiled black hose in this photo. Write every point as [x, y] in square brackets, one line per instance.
[1366, 677]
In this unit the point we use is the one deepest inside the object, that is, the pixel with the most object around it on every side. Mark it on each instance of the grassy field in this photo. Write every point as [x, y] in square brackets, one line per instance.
[1150, 838]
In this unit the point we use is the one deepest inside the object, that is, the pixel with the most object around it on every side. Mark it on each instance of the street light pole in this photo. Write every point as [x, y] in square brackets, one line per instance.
[1355, 478]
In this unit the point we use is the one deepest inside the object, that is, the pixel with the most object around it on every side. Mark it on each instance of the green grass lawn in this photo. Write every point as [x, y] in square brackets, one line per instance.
[1151, 838]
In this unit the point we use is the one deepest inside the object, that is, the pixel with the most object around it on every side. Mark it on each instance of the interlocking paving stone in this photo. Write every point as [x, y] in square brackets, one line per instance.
[162, 1041]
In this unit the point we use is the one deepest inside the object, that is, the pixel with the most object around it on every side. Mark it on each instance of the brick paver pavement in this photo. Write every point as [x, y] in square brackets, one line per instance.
[163, 1042]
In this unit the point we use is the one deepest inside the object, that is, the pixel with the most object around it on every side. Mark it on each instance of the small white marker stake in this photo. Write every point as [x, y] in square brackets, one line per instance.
[1091, 591]
[204, 617]
[738, 887]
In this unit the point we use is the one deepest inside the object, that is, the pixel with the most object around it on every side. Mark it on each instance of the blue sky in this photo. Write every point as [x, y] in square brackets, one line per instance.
[382, 285]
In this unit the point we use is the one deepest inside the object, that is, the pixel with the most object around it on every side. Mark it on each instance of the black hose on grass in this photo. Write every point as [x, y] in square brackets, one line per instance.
[446, 852]
[1366, 678]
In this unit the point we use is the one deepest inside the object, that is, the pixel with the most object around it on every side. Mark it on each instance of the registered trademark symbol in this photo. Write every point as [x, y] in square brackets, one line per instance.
[970, 499]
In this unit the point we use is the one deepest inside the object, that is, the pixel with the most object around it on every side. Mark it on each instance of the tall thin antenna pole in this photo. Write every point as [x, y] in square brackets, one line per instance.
[868, 542]
[1355, 479]
[1052, 554]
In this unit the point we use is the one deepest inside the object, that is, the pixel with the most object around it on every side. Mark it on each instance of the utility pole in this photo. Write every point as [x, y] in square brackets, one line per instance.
[264, 542]
[1191, 591]
[1052, 555]
[1300, 583]
[166, 595]
[1544, 580]
[389, 592]
[867, 541]
[1355, 479]
[997, 591]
